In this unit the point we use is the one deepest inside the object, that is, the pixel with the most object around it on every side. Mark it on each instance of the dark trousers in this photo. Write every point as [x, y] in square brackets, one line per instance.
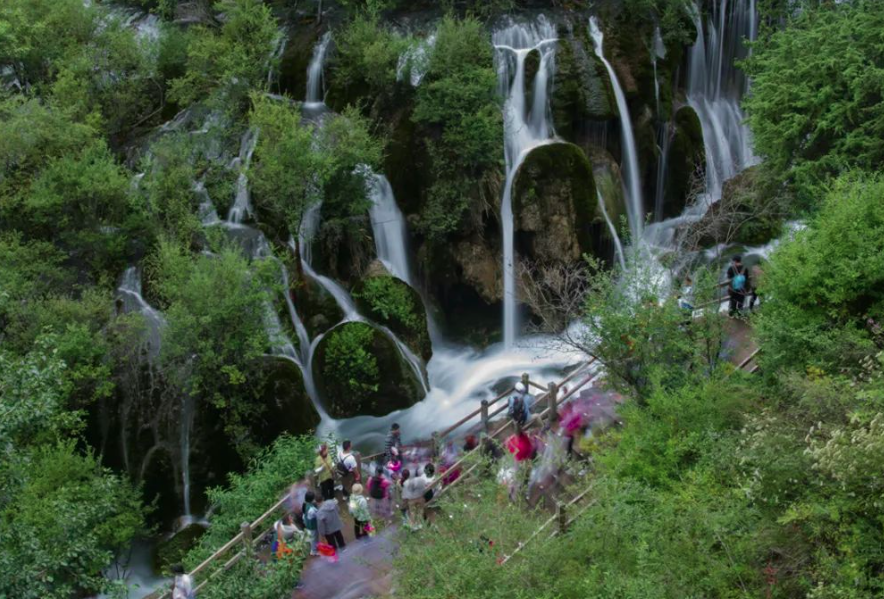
[737, 299]
[327, 489]
[359, 529]
[336, 539]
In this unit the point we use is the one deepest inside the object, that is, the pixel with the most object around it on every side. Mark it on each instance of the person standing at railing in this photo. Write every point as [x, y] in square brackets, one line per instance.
[738, 284]
[348, 468]
[309, 510]
[379, 494]
[325, 474]
[182, 584]
[393, 444]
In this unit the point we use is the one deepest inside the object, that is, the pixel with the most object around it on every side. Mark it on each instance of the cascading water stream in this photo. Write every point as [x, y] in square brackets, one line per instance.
[618, 247]
[523, 131]
[635, 204]
[315, 79]
[242, 205]
[664, 142]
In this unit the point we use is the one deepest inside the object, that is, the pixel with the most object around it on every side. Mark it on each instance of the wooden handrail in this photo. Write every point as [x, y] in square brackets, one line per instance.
[748, 359]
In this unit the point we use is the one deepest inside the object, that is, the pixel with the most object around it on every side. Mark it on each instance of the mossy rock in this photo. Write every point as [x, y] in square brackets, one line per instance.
[343, 248]
[295, 60]
[744, 194]
[406, 161]
[173, 549]
[555, 204]
[392, 303]
[582, 87]
[359, 372]
[686, 161]
[317, 308]
[286, 406]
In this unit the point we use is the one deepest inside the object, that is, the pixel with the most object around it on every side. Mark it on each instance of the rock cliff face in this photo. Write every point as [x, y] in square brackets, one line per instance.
[687, 161]
[555, 204]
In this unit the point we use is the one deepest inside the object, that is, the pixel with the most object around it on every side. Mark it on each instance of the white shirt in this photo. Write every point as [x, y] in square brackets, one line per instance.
[349, 461]
[183, 587]
[416, 486]
[288, 530]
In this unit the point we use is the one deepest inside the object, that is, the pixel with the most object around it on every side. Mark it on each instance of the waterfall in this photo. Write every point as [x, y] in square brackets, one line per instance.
[315, 78]
[188, 409]
[523, 131]
[635, 205]
[388, 227]
[658, 51]
[663, 144]
[618, 247]
[242, 205]
[715, 87]
[415, 61]
[129, 293]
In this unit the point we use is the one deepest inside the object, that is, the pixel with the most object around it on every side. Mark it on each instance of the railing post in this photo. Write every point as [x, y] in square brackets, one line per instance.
[525, 379]
[358, 456]
[246, 530]
[311, 480]
[553, 404]
[435, 444]
[563, 518]
[486, 424]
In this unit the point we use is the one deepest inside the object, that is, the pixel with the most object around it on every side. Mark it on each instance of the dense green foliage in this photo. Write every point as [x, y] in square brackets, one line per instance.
[391, 301]
[826, 288]
[457, 102]
[45, 479]
[350, 363]
[816, 104]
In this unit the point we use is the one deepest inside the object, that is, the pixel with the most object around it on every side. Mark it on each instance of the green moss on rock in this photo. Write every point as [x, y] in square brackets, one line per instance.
[582, 88]
[286, 406]
[393, 303]
[555, 203]
[173, 549]
[359, 371]
[686, 161]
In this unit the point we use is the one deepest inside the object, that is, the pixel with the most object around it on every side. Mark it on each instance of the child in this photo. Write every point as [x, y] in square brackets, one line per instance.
[309, 511]
[359, 511]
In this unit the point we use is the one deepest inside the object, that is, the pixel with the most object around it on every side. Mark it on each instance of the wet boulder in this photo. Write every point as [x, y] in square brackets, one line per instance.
[555, 204]
[392, 303]
[359, 371]
[686, 163]
[285, 405]
[583, 92]
[343, 247]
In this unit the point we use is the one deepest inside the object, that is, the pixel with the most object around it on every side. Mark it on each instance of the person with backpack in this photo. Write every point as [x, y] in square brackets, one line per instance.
[517, 410]
[738, 285]
[182, 584]
[347, 468]
[379, 494]
[325, 473]
[309, 510]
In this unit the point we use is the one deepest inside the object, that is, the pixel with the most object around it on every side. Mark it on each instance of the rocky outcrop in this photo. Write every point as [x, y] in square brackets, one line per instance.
[286, 406]
[554, 204]
[686, 163]
[344, 248]
[583, 91]
[392, 303]
[295, 60]
[360, 372]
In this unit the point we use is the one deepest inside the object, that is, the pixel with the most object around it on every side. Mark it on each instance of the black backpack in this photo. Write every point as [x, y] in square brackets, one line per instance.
[376, 489]
[517, 410]
[342, 467]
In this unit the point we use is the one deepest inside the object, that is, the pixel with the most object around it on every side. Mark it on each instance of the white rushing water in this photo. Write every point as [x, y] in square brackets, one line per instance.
[618, 247]
[389, 230]
[525, 128]
[415, 61]
[242, 204]
[129, 293]
[315, 78]
[629, 163]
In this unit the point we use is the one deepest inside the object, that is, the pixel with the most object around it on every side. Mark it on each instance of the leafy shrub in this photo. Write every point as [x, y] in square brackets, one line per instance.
[350, 361]
[813, 117]
[822, 288]
[390, 300]
[367, 54]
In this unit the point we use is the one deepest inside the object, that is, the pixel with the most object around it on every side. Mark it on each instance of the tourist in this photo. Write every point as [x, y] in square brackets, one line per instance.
[348, 468]
[393, 444]
[754, 282]
[403, 502]
[517, 408]
[417, 494]
[523, 449]
[328, 523]
[359, 510]
[285, 533]
[470, 443]
[738, 284]
[379, 494]
[182, 584]
[325, 473]
[309, 511]
[686, 296]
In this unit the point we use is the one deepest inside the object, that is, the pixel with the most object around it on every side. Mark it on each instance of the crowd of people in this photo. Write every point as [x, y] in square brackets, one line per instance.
[403, 481]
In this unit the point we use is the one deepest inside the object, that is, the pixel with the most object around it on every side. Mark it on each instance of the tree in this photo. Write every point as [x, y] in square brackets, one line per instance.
[815, 107]
[214, 307]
